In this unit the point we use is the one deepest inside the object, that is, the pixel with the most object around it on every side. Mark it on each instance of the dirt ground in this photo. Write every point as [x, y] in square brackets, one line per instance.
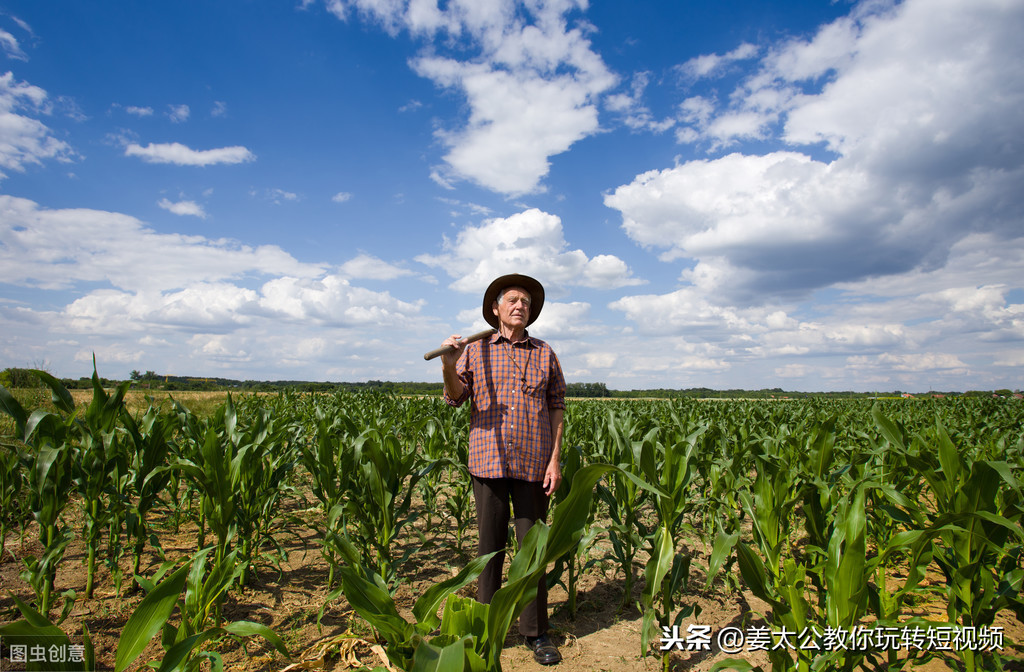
[599, 637]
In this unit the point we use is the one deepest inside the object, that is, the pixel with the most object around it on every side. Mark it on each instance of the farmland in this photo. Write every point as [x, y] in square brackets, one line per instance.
[340, 527]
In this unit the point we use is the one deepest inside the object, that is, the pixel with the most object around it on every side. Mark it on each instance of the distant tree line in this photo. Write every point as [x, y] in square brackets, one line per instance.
[587, 390]
[12, 378]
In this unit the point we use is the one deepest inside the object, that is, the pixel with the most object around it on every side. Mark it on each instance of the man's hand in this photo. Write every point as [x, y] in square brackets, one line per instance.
[552, 475]
[452, 358]
[452, 383]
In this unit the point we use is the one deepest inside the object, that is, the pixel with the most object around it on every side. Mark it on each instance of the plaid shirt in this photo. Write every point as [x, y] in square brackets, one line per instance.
[510, 430]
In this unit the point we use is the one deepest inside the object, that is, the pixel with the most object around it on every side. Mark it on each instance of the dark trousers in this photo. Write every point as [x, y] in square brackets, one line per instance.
[530, 504]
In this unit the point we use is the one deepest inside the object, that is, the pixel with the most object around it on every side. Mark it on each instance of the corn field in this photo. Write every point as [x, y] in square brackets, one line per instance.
[835, 517]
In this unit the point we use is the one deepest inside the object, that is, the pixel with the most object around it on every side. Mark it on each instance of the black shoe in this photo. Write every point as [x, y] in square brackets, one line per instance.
[544, 652]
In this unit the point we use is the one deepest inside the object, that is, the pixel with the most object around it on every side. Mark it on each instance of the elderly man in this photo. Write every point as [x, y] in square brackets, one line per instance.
[517, 391]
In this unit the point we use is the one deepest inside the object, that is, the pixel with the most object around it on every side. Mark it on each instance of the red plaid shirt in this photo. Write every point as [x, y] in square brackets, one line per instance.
[510, 430]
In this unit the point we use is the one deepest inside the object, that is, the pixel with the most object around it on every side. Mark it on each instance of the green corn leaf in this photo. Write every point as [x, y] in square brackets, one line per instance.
[889, 430]
[176, 657]
[149, 617]
[754, 572]
[658, 566]
[10, 406]
[724, 543]
[251, 629]
[949, 458]
[62, 399]
[375, 605]
[425, 609]
[449, 658]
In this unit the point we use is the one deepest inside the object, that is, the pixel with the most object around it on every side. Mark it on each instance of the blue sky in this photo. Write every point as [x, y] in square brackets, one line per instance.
[736, 194]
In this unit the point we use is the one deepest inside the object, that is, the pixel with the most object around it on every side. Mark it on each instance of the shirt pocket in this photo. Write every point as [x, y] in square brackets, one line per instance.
[536, 385]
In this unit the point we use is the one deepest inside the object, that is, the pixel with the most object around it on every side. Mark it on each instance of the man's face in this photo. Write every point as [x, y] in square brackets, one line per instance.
[514, 309]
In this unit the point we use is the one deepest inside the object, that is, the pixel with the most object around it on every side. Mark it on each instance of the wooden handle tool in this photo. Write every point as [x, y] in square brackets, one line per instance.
[447, 348]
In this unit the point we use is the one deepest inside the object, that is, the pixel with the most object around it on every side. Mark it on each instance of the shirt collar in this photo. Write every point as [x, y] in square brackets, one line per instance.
[527, 341]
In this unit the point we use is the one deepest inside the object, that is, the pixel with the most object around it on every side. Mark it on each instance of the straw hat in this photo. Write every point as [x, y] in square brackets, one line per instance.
[532, 287]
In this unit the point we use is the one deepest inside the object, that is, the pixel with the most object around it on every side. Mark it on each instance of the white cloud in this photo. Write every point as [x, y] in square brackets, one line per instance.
[220, 109]
[54, 249]
[369, 267]
[341, 197]
[561, 320]
[531, 86]
[139, 111]
[181, 155]
[710, 65]
[183, 208]
[206, 307]
[920, 102]
[223, 307]
[24, 140]
[178, 113]
[518, 121]
[529, 242]
[333, 301]
[918, 330]
[913, 363]
[278, 196]
[635, 114]
[9, 45]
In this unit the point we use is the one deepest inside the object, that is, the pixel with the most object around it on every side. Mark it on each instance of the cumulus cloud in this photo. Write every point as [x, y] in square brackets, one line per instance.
[341, 197]
[139, 111]
[24, 140]
[53, 249]
[179, 154]
[224, 308]
[208, 305]
[530, 242]
[532, 86]
[369, 267]
[889, 331]
[332, 300]
[919, 104]
[183, 208]
[178, 113]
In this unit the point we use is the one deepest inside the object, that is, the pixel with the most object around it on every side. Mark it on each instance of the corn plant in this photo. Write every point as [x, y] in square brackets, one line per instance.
[669, 467]
[977, 530]
[384, 472]
[266, 454]
[100, 474]
[210, 462]
[568, 568]
[328, 465]
[458, 503]
[204, 581]
[13, 512]
[624, 495]
[150, 441]
[47, 461]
